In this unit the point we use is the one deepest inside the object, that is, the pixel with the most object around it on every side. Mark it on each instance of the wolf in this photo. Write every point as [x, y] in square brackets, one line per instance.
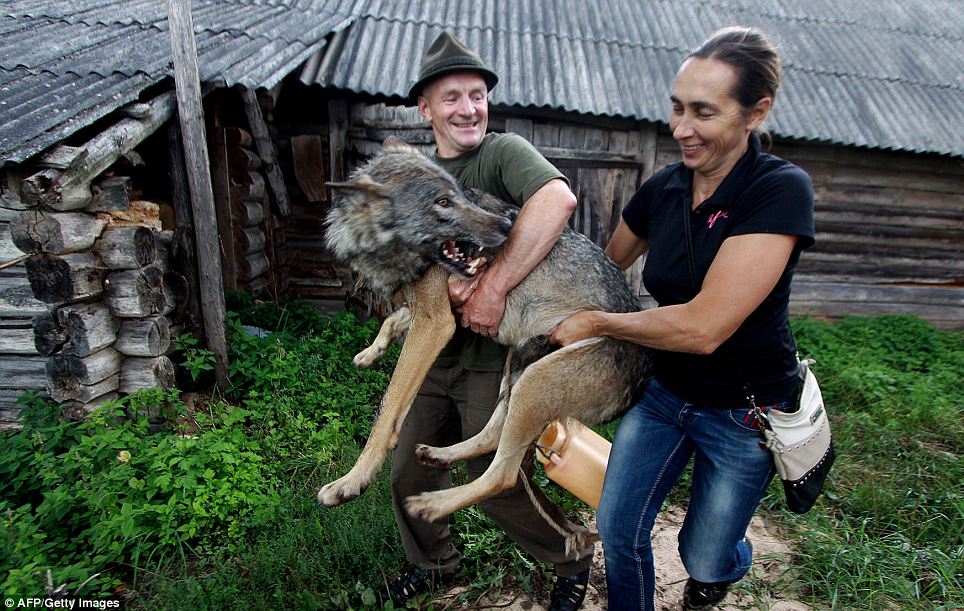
[403, 224]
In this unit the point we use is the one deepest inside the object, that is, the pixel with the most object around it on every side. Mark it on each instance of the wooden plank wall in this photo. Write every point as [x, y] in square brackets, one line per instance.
[890, 233]
[307, 270]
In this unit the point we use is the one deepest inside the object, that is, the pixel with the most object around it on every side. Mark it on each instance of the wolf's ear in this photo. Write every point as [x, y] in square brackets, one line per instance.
[394, 143]
[363, 183]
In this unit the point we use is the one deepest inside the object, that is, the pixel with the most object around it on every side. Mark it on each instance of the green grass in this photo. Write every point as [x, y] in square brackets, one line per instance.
[241, 528]
[888, 533]
[307, 558]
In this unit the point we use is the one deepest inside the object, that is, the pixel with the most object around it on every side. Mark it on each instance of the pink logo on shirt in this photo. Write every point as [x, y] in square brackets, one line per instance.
[719, 214]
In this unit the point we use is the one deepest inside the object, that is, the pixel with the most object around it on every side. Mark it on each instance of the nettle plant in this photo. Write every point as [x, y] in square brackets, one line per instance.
[81, 498]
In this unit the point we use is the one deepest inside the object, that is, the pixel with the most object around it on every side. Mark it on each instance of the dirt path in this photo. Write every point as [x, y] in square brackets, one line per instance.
[759, 590]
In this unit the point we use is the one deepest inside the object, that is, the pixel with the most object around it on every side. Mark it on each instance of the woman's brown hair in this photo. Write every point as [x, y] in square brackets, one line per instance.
[751, 55]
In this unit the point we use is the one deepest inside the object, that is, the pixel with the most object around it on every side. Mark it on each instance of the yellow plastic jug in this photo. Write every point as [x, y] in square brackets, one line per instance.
[575, 457]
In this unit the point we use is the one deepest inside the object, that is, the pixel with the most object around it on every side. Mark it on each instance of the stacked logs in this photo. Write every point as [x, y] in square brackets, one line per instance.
[78, 263]
[21, 366]
[107, 329]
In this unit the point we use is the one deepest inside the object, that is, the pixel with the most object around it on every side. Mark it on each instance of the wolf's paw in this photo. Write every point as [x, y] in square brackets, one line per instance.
[368, 357]
[425, 506]
[427, 455]
[340, 491]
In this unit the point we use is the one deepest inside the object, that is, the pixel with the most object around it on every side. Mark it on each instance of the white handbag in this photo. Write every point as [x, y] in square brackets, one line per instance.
[801, 443]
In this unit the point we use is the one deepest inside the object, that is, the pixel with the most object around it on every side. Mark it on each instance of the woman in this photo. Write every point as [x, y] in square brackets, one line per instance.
[721, 331]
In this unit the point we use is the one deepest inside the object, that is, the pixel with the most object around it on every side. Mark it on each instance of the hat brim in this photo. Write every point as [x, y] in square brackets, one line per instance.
[490, 78]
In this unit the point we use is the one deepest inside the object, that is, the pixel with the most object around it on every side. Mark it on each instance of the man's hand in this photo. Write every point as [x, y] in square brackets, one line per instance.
[482, 306]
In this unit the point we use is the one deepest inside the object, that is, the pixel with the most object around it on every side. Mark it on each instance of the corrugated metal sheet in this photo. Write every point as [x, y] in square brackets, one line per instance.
[63, 65]
[875, 73]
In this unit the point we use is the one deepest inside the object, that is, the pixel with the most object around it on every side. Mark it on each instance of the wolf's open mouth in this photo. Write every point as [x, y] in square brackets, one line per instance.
[465, 256]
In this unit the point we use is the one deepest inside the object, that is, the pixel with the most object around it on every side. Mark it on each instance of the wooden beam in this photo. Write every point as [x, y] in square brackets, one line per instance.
[68, 189]
[57, 233]
[191, 118]
[265, 146]
[221, 185]
[57, 279]
[61, 157]
[337, 135]
[110, 194]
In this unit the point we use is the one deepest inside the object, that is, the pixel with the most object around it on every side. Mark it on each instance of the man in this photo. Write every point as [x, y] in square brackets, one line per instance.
[462, 388]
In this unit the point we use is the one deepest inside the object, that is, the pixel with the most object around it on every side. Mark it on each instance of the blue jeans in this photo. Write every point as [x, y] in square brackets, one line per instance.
[653, 444]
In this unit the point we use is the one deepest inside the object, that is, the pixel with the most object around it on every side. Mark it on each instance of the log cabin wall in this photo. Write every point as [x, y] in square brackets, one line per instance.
[85, 315]
[308, 156]
[245, 219]
[251, 197]
[21, 365]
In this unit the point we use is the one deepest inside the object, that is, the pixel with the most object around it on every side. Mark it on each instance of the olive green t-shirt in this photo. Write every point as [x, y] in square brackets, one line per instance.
[508, 167]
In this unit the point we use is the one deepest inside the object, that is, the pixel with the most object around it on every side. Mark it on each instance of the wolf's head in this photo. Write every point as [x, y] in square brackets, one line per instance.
[401, 213]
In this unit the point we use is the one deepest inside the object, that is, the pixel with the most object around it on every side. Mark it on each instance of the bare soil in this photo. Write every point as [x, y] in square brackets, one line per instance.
[765, 587]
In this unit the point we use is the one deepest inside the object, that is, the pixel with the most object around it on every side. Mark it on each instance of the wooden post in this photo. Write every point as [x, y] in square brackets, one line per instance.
[191, 119]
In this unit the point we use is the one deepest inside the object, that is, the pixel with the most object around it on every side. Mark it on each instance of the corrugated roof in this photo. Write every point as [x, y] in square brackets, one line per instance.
[63, 65]
[875, 73]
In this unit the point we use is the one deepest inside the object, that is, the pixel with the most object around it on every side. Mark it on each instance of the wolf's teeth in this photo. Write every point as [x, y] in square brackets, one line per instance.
[481, 248]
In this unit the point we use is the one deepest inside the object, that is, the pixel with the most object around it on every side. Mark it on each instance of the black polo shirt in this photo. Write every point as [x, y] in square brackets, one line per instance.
[762, 194]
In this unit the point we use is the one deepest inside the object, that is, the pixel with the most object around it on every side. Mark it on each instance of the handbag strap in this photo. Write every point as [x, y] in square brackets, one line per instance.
[750, 397]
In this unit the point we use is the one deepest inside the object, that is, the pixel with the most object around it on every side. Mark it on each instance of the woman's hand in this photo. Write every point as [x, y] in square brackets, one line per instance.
[460, 290]
[581, 325]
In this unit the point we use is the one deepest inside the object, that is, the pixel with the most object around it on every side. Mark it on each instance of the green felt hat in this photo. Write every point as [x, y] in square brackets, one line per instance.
[446, 55]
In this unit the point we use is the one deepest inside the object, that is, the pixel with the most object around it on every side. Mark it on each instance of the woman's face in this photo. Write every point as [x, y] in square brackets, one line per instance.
[707, 121]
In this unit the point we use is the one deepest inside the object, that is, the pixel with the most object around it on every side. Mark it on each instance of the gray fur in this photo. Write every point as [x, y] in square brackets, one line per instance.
[386, 225]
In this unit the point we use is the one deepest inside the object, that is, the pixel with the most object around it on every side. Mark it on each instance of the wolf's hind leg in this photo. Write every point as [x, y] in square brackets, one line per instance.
[393, 328]
[484, 442]
[570, 382]
[487, 440]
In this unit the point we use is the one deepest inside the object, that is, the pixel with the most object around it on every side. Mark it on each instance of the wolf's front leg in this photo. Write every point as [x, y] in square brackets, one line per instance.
[393, 328]
[433, 325]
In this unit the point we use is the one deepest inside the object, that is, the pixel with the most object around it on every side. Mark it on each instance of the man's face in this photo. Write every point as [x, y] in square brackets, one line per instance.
[457, 106]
